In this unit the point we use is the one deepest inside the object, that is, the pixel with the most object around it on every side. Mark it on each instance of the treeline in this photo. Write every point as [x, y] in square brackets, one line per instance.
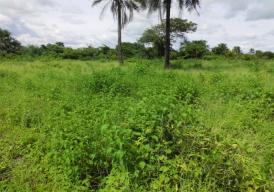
[149, 46]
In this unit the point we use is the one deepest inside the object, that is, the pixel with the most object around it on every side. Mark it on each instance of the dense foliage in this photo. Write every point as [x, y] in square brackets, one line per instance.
[155, 35]
[93, 125]
[149, 46]
[194, 49]
[89, 126]
[221, 49]
[8, 44]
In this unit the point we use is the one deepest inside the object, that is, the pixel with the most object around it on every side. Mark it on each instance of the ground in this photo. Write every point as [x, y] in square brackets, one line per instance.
[206, 125]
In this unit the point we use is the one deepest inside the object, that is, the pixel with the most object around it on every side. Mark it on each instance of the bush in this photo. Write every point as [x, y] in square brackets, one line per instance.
[221, 49]
[8, 44]
[188, 92]
[109, 83]
[194, 49]
[174, 55]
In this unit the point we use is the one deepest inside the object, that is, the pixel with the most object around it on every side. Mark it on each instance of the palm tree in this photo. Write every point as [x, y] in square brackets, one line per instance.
[123, 11]
[165, 6]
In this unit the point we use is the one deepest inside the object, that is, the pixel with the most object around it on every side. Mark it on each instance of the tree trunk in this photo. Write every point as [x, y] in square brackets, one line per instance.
[120, 55]
[167, 43]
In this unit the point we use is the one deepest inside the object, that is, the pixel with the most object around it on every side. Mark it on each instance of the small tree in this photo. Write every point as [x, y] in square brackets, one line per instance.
[32, 51]
[154, 38]
[53, 50]
[194, 49]
[259, 53]
[221, 49]
[131, 49]
[8, 44]
[252, 51]
[178, 28]
[237, 50]
[268, 55]
[156, 34]
[165, 6]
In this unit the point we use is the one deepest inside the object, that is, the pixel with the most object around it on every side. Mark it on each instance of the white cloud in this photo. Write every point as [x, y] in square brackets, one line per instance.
[261, 10]
[19, 7]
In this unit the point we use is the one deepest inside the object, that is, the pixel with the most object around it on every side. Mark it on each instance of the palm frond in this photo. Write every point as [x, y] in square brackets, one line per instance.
[127, 8]
[159, 5]
[95, 2]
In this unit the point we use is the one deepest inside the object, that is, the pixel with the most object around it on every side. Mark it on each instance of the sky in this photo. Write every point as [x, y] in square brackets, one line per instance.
[244, 23]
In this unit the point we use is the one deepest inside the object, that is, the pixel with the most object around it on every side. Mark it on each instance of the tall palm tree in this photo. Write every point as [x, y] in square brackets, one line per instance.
[165, 6]
[122, 10]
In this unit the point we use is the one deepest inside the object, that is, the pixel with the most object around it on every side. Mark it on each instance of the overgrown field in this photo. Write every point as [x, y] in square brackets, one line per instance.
[95, 126]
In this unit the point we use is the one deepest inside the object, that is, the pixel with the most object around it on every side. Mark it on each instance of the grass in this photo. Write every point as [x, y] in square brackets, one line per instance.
[95, 126]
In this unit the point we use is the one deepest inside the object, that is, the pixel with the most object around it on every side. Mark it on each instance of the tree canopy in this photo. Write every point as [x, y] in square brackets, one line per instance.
[164, 6]
[156, 34]
[221, 49]
[8, 44]
[194, 49]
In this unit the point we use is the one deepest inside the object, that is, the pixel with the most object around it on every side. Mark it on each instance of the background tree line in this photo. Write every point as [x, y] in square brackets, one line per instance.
[150, 45]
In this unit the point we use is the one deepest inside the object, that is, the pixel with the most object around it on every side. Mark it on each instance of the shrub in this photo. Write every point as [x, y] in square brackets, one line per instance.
[113, 83]
[194, 49]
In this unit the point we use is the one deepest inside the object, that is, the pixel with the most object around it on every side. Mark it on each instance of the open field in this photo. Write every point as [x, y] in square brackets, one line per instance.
[92, 125]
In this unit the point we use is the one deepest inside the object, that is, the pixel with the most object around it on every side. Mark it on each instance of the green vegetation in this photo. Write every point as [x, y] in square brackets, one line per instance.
[163, 7]
[156, 34]
[8, 44]
[194, 49]
[72, 119]
[69, 125]
[151, 45]
[123, 11]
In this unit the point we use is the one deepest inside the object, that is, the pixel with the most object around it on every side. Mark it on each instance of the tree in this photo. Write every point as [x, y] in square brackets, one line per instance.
[131, 49]
[165, 6]
[178, 28]
[60, 44]
[32, 51]
[252, 51]
[53, 50]
[194, 49]
[259, 54]
[8, 44]
[104, 49]
[268, 55]
[237, 50]
[221, 49]
[123, 11]
[156, 34]
[154, 38]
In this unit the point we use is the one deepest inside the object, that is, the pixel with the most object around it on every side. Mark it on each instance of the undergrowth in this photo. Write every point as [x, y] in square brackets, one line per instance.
[79, 126]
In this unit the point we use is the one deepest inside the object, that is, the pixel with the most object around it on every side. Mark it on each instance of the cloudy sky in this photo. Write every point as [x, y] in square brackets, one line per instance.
[247, 23]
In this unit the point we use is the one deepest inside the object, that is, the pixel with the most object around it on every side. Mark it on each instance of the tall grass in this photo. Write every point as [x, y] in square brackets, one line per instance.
[88, 126]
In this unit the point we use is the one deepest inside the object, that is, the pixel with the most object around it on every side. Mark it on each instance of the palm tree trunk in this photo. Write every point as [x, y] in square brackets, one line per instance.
[167, 43]
[120, 55]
